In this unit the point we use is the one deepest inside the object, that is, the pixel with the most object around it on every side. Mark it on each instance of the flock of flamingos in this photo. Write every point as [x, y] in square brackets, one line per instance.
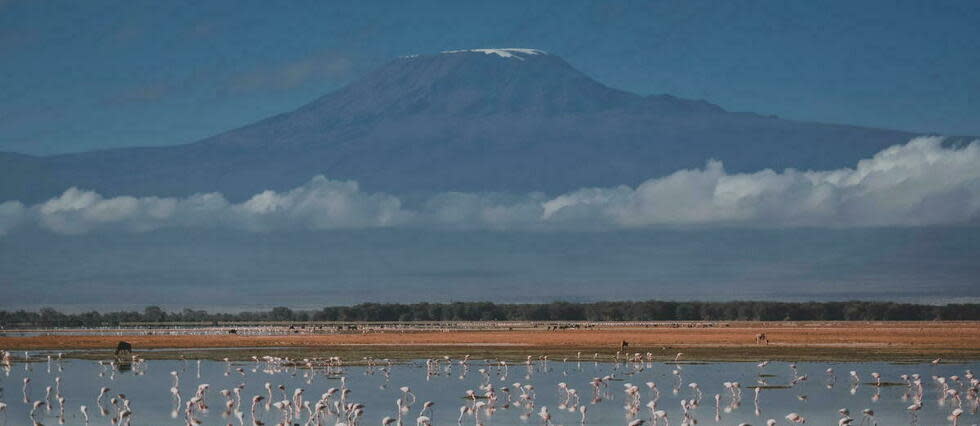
[276, 404]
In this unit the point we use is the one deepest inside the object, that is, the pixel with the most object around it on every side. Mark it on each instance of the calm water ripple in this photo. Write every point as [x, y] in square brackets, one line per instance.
[710, 393]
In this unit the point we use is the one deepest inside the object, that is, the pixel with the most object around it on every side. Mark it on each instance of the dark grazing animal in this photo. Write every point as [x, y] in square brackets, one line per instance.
[124, 346]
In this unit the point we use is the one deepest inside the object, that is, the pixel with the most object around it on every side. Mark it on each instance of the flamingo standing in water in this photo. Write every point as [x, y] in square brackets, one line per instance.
[426, 407]
[61, 406]
[102, 393]
[407, 391]
[697, 390]
[47, 396]
[255, 401]
[36, 405]
[176, 394]
[914, 408]
[955, 416]
[869, 417]
[282, 390]
[877, 377]
[462, 412]
[795, 418]
[268, 388]
[298, 401]
[545, 415]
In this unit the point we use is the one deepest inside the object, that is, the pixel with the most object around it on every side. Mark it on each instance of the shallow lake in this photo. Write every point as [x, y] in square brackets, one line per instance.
[147, 387]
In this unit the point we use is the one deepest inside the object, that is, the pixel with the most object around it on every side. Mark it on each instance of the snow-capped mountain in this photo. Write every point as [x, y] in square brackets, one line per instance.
[514, 120]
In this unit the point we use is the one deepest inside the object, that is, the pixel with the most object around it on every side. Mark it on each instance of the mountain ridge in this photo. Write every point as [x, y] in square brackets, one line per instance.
[503, 120]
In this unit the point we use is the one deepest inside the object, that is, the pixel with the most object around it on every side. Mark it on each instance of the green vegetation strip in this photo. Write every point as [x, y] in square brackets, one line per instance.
[651, 310]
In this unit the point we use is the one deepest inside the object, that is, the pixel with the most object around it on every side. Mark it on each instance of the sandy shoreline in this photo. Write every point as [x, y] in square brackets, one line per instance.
[735, 340]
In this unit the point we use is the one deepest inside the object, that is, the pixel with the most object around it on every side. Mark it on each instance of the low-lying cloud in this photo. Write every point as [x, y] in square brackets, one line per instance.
[916, 184]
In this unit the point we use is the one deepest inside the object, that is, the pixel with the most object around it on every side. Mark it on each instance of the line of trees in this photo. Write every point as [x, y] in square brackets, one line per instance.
[651, 310]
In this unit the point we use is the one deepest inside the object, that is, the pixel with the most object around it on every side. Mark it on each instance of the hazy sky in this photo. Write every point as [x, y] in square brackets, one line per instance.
[95, 74]
[217, 269]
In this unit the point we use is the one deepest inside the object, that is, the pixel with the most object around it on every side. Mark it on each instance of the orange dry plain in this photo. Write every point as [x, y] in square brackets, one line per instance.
[896, 336]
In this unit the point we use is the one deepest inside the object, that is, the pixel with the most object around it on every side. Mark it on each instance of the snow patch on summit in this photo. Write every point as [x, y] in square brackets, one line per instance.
[515, 53]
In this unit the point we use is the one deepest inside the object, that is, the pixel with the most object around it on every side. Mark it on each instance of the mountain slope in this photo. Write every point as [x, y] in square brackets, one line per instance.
[481, 120]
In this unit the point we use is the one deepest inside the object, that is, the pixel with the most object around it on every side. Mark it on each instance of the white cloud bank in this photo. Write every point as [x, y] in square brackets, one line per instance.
[919, 183]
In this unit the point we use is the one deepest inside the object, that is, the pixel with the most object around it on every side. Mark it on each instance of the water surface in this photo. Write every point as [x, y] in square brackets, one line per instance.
[818, 398]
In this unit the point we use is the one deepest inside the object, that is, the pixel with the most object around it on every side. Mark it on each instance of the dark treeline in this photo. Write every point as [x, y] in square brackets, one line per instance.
[556, 311]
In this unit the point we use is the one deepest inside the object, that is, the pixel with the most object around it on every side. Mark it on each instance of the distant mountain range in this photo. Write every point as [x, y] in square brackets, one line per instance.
[514, 120]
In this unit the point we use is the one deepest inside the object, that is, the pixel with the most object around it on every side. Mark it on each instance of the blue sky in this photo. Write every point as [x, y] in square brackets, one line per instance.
[97, 74]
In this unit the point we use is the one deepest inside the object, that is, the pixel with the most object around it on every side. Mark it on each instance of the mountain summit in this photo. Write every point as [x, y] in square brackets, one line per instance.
[458, 85]
[514, 120]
